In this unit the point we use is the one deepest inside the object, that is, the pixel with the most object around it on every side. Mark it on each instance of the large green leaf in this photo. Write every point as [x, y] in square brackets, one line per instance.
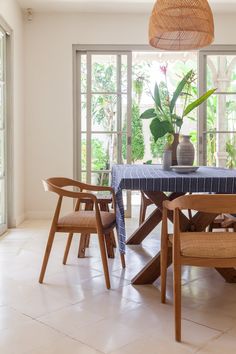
[157, 97]
[149, 113]
[177, 120]
[160, 128]
[197, 103]
[179, 89]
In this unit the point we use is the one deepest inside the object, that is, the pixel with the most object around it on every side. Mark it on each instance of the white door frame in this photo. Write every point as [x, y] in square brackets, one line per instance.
[8, 176]
[100, 50]
[202, 87]
[77, 99]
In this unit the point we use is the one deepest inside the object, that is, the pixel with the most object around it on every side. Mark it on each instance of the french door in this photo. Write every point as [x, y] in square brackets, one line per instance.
[3, 112]
[104, 88]
[218, 117]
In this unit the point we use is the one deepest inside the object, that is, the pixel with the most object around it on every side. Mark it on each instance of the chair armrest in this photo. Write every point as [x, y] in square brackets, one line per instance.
[167, 204]
[76, 195]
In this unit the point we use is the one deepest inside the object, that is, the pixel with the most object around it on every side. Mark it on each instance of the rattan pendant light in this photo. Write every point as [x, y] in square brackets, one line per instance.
[181, 25]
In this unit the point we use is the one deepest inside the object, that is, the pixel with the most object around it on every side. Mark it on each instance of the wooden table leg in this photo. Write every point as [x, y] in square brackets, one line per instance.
[145, 228]
[201, 221]
[154, 218]
[158, 199]
[229, 274]
[152, 270]
[151, 222]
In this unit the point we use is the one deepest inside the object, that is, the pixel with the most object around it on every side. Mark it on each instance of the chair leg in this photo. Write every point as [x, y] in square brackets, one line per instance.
[109, 245]
[164, 260]
[113, 239]
[101, 239]
[82, 245]
[87, 242]
[70, 236]
[47, 254]
[210, 227]
[122, 258]
[177, 301]
[84, 237]
[110, 238]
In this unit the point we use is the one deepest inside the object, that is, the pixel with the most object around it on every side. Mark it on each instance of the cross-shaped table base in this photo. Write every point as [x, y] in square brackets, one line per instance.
[199, 222]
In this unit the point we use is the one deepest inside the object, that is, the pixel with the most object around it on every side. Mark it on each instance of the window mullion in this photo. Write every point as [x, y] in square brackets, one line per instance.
[119, 109]
[77, 129]
[88, 117]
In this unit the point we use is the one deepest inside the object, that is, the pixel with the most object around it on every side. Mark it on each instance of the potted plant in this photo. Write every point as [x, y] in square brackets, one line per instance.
[165, 119]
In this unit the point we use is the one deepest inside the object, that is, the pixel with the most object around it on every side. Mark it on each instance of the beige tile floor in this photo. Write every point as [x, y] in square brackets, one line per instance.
[73, 312]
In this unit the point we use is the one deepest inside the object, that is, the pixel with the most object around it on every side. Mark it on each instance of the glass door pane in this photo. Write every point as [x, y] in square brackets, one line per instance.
[219, 133]
[104, 113]
[3, 223]
[148, 68]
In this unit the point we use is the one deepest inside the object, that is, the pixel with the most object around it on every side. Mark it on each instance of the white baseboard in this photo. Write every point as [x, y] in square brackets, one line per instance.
[14, 222]
[37, 215]
[20, 219]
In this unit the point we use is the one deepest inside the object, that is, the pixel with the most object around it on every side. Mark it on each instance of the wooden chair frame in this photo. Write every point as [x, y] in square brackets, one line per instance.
[110, 237]
[215, 204]
[57, 185]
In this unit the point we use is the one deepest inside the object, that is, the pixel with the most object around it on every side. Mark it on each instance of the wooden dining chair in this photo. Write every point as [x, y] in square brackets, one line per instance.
[201, 249]
[80, 221]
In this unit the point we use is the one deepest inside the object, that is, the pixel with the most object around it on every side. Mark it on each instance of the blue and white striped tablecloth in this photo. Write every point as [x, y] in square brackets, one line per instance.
[153, 178]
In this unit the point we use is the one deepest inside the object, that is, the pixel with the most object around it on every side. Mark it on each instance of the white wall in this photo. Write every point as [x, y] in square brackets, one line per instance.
[48, 63]
[11, 13]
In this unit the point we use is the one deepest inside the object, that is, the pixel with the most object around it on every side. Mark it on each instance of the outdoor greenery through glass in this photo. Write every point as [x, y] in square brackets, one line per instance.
[166, 120]
[170, 113]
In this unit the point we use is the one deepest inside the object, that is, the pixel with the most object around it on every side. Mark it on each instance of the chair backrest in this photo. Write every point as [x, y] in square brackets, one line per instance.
[214, 203]
[54, 184]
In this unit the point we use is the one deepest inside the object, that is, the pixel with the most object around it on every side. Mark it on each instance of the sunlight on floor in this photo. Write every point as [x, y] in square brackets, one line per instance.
[72, 312]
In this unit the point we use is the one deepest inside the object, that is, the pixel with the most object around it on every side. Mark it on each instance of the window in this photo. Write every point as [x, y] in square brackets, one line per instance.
[113, 86]
[3, 112]
[218, 117]
[104, 105]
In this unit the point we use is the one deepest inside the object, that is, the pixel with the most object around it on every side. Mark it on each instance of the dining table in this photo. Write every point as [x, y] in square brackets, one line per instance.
[159, 185]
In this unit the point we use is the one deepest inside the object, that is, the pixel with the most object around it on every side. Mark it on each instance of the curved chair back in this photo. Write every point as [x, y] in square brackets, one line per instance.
[213, 203]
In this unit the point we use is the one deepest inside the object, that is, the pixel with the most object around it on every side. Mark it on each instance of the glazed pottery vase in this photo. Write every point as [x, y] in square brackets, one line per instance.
[167, 159]
[185, 152]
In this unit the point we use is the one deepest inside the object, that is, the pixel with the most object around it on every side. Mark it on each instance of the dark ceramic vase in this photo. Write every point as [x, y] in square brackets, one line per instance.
[173, 148]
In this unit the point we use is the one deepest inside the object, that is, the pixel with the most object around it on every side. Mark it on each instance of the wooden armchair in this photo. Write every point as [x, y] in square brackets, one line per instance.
[201, 249]
[78, 221]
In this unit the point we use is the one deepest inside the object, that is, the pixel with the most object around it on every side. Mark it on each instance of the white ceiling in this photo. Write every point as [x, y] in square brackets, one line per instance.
[121, 6]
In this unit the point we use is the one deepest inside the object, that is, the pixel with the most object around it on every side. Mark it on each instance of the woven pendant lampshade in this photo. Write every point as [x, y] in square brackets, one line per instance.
[181, 24]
